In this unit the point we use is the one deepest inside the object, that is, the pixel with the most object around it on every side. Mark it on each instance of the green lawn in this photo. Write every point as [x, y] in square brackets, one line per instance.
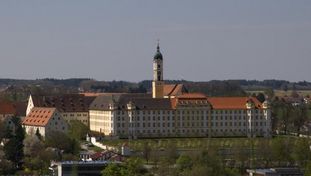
[184, 143]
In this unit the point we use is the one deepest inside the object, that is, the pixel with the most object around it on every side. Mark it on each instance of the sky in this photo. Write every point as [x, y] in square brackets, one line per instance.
[200, 40]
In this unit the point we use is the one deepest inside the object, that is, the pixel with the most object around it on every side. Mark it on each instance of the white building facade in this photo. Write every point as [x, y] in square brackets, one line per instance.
[45, 120]
[178, 115]
[72, 106]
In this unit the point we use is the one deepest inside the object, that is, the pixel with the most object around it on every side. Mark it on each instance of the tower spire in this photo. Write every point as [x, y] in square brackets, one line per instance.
[158, 83]
[158, 45]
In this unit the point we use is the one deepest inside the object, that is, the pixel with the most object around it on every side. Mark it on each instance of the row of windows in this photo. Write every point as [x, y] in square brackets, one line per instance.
[191, 124]
[72, 115]
[84, 121]
[168, 118]
[190, 112]
[163, 112]
[189, 131]
[234, 117]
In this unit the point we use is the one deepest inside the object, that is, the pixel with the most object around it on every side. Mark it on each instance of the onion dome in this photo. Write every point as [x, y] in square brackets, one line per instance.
[158, 54]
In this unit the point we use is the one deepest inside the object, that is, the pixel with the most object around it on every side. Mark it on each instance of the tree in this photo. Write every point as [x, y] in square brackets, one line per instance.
[301, 151]
[154, 156]
[269, 92]
[11, 151]
[132, 167]
[209, 163]
[146, 151]
[113, 169]
[8, 133]
[63, 142]
[164, 167]
[299, 116]
[77, 130]
[14, 147]
[2, 129]
[38, 134]
[135, 167]
[32, 145]
[6, 166]
[171, 152]
[39, 161]
[241, 155]
[264, 152]
[308, 168]
[34, 164]
[199, 170]
[282, 111]
[184, 162]
[281, 150]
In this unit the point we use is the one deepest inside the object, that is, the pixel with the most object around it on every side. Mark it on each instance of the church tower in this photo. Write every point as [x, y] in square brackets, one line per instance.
[158, 83]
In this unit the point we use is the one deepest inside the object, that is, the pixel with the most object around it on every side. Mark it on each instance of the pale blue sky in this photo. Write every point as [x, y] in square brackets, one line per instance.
[115, 40]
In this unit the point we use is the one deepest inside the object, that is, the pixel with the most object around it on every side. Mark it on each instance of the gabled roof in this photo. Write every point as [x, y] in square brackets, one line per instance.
[7, 108]
[145, 101]
[190, 99]
[98, 155]
[20, 108]
[120, 101]
[91, 94]
[152, 103]
[192, 96]
[232, 102]
[14, 108]
[39, 116]
[64, 103]
[174, 89]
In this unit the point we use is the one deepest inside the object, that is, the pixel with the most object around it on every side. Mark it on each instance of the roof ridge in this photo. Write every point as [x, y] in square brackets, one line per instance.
[175, 86]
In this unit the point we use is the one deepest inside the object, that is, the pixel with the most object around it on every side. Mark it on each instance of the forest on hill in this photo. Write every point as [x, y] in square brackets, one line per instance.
[22, 88]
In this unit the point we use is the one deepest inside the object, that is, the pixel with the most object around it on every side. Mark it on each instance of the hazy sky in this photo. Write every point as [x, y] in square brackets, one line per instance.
[116, 39]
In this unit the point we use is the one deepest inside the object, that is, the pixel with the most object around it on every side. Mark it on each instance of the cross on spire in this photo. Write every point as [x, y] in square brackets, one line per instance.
[158, 46]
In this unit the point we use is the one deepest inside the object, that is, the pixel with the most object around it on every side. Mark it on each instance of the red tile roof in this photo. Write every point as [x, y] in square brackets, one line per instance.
[173, 89]
[232, 102]
[189, 99]
[192, 96]
[91, 94]
[20, 108]
[7, 108]
[39, 116]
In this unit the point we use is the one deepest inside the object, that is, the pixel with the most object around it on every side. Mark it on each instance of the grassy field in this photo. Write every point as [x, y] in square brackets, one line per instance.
[281, 93]
[185, 143]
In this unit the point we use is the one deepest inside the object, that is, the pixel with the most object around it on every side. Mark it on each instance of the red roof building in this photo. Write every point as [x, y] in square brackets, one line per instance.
[46, 120]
